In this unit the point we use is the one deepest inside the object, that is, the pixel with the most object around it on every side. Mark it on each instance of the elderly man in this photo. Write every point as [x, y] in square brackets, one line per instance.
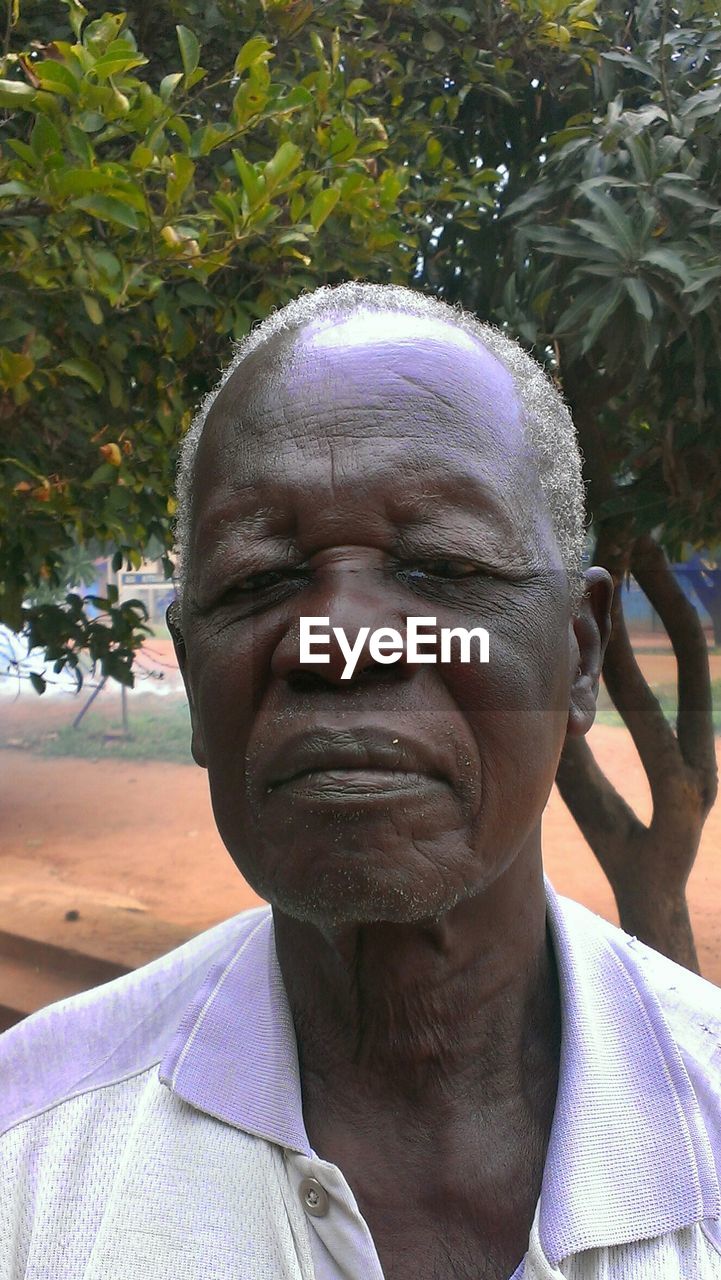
[419, 1061]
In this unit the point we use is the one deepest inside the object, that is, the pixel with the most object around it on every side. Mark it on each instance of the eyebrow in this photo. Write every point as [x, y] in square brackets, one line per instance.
[457, 491]
[225, 517]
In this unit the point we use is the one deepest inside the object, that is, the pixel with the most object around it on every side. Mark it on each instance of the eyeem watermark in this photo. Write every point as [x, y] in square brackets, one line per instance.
[386, 645]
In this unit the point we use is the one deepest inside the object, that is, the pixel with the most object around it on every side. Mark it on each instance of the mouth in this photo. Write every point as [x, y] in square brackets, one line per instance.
[345, 764]
[340, 785]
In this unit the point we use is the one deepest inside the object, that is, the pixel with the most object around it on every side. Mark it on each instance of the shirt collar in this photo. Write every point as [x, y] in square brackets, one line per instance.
[629, 1157]
[234, 1054]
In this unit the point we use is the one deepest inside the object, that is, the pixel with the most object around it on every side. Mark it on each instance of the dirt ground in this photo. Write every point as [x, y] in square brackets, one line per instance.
[141, 834]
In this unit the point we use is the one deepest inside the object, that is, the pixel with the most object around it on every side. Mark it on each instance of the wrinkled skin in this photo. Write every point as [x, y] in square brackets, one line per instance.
[368, 471]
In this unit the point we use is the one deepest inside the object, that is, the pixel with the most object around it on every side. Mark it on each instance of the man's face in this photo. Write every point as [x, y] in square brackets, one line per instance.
[379, 471]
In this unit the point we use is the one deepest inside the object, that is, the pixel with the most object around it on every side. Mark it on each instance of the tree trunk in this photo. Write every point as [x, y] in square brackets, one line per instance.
[647, 866]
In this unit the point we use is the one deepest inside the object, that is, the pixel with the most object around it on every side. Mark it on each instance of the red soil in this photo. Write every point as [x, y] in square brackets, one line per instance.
[141, 835]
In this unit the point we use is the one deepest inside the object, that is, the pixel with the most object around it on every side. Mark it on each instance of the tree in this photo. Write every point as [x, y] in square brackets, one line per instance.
[149, 209]
[552, 165]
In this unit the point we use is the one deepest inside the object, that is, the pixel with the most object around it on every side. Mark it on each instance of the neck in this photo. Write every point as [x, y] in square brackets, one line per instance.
[437, 1012]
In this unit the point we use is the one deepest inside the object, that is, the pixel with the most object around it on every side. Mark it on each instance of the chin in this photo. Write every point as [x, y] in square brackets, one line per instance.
[354, 896]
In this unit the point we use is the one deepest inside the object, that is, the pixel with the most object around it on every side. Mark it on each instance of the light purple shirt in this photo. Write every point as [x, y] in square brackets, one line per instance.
[635, 1145]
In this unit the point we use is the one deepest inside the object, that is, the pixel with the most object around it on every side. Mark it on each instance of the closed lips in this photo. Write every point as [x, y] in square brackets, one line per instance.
[360, 750]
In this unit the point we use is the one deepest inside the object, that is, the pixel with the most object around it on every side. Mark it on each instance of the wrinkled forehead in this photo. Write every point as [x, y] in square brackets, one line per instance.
[364, 395]
[398, 415]
[413, 374]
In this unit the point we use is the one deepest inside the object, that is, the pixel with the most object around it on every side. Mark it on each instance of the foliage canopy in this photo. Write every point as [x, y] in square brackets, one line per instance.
[168, 176]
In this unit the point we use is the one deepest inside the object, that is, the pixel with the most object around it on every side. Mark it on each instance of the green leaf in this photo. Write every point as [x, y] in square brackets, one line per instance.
[80, 182]
[600, 237]
[640, 296]
[615, 218]
[642, 154]
[292, 237]
[25, 152]
[101, 33]
[37, 682]
[253, 184]
[79, 144]
[227, 208]
[194, 295]
[254, 50]
[93, 308]
[557, 240]
[57, 78]
[359, 85]
[13, 93]
[293, 101]
[16, 188]
[45, 139]
[286, 159]
[574, 315]
[600, 315]
[687, 195]
[633, 62]
[118, 58]
[90, 121]
[434, 151]
[105, 262]
[323, 205]
[83, 369]
[189, 48]
[180, 178]
[168, 84]
[669, 260]
[105, 474]
[195, 77]
[343, 141]
[110, 209]
[702, 278]
[534, 196]
[77, 15]
[15, 367]
[433, 41]
[207, 139]
[461, 15]
[249, 101]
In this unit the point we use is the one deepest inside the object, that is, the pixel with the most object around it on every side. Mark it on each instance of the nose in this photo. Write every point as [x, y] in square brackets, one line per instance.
[355, 594]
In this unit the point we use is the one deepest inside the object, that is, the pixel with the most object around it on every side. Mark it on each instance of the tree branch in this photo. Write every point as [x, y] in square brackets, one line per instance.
[606, 820]
[641, 711]
[694, 728]
[647, 867]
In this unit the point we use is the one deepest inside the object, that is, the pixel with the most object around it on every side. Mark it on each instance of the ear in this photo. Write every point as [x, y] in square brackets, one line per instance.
[591, 629]
[172, 619]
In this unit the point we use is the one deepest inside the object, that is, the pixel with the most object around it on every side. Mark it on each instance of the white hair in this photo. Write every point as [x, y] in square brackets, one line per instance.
[545, 416]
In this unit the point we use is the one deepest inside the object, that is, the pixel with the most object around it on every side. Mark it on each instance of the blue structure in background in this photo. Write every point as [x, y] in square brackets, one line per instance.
[639, 613]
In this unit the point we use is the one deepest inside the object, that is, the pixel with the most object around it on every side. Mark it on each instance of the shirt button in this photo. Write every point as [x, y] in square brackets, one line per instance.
[314, 1197]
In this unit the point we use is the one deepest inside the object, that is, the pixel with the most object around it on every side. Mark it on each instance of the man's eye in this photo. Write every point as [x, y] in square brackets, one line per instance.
[443, 568]
[262, 581]
[256, 583]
